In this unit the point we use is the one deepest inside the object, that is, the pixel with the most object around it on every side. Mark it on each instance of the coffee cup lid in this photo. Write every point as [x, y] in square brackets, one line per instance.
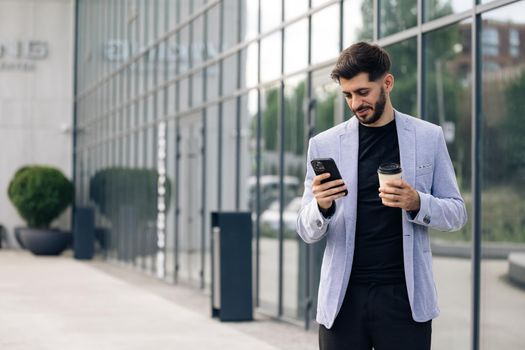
[389, 168]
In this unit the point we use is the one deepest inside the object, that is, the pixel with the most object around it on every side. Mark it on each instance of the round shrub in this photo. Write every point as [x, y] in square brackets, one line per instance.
[40, 194]
[115, 187]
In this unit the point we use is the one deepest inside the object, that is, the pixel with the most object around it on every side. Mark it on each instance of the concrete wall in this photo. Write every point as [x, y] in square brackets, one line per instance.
[36, 91]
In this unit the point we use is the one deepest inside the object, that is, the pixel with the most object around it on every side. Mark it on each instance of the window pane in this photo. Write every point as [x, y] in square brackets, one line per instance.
[447, 96]
[269, 199]
[249, 65]
[503, 172]
[436, 8]
[271, 56]
[325, 34]
[361, 25]
[294, 170]
[271, 11]
[251, 25]
[190, 199]
[294, 8]
[231, 19]
[396, 16]
[229, 151]
[296, 46]
[404, 68]
[229, 68]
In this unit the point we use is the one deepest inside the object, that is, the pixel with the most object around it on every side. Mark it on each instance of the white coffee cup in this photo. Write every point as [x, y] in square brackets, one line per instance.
[388, 172]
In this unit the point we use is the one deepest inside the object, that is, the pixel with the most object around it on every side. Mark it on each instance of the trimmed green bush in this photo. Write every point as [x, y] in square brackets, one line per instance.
[114, 187]
[40, 194]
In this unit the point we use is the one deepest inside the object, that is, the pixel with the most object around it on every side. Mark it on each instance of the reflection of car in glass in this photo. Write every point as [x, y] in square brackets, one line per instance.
[270, 216]
[269, 190]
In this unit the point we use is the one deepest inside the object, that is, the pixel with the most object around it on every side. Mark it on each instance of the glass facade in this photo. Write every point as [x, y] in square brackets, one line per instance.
[188, 107]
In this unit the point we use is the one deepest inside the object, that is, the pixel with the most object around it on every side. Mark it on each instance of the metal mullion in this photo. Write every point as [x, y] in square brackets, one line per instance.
[220, 107]
[177, 151]
[376, 15]
[124, 94]
[309, 124]
[419, 65]
[155, 132]
[204, 155]
[281, 176]
[398, 37]
[135, 135]
[238, 113]
[145, 137]
[76, 111]
[167, 132]
[476, 178]
[258, 166]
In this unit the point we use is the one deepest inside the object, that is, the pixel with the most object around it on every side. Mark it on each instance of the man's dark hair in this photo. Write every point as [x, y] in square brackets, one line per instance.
[359, 58]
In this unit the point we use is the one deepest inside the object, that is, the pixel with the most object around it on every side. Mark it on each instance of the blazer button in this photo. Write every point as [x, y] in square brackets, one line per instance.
[319, 223]
[426, 219]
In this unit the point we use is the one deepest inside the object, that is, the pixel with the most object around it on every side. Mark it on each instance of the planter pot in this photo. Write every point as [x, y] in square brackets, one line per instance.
[45, 241]
[18, 238]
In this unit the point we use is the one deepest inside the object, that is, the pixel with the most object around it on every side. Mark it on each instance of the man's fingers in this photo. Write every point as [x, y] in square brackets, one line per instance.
[326, 186]
[334, 197]
[391, 203]
[319, 178]
[396, 183]
[390, 189]
[390, 196]
[319, 193]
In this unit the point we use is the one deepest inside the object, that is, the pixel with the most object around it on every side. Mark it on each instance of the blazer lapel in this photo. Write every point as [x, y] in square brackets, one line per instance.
[348, 157]
[406, 137]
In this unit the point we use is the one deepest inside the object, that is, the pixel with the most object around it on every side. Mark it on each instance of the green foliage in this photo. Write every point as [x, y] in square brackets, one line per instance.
[40, 194]
[294, 120]
[513, 135]
[115, 187]
[270, 120]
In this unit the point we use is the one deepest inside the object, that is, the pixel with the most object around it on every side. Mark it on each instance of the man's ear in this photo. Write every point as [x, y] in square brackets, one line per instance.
[388, 82]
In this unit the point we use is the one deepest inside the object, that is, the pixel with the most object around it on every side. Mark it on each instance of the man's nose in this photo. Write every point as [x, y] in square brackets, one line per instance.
[356, 103]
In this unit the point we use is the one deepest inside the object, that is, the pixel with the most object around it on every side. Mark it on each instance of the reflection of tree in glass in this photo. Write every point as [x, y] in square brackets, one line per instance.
[404, 68]
[397, 15]
[447, 91]
[294, 119]
[513, 131]
[270, 120]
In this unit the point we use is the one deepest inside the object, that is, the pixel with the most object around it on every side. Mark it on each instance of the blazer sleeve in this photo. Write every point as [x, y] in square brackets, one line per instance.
[443, 209]
[312, 226]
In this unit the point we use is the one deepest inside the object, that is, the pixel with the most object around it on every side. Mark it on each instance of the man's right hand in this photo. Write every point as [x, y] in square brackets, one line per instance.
[326, 193]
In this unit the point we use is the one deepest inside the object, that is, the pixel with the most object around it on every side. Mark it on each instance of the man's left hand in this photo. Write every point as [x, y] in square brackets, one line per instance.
[399, 194]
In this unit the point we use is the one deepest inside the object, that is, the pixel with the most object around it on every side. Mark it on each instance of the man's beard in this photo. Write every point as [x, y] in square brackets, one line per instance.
[379, 108]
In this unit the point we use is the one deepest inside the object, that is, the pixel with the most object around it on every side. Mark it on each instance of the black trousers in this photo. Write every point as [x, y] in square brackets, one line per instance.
[378, 317]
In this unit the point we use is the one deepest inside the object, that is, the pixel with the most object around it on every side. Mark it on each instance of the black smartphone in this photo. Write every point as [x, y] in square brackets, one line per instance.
[327, 165]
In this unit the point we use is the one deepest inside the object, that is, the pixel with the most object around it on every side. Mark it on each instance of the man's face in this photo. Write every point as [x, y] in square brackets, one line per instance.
[366, 99]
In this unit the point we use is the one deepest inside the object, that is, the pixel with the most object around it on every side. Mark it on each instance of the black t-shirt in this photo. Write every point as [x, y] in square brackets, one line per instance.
[378, 254]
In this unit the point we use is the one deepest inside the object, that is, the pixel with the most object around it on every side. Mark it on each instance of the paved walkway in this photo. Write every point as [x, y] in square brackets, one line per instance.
[59, 303]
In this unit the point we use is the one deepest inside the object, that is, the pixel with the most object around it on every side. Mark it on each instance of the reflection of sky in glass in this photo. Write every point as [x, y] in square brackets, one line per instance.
[252, 8]
[316, 3]
[353, 22]
[294, 8]
[251, 65]
[271, 57]
[508, 13]
[296, 46]
[270, 14]
[325, 34]
[435, 9]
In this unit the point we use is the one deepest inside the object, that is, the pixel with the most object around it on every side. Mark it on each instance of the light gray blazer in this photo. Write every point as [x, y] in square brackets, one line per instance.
[426, 167]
